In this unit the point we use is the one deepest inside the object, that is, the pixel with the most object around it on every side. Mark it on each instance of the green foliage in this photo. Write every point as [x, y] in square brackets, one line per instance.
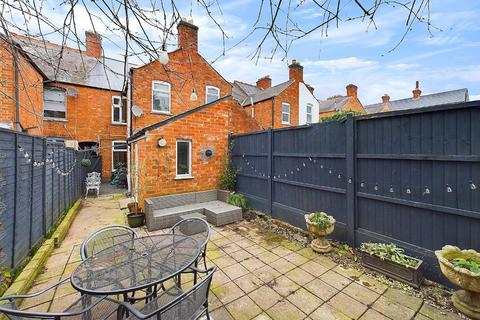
[340, 116]
[390, 252]
[469, 264]
[119, 176]
[86, 162]
[229, 174]
[238, 199]
[321, 219]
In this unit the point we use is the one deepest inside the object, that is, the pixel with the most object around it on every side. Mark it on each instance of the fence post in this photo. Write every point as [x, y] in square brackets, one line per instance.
[32, 172]
[15, 200]
[350, 164]
[269, 170]
[44, 188]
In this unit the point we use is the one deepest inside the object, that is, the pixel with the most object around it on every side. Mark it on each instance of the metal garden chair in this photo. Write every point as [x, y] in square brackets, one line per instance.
[104, 238]
[93, 181]
[85, 307]
[198, 229]
[173, 303]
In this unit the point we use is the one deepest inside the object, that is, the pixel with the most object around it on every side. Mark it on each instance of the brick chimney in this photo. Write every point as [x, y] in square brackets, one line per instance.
[310, 88]
[352, 91]
[264, 83]
[187, 35]
[93, 43]
[295, 71]
[417, 92]
[385, 101]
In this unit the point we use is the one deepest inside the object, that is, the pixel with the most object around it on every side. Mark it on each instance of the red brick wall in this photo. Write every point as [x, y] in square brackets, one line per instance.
[352, 104]
[89, 118]
[207, 128]
[30, 87]
[181, 73]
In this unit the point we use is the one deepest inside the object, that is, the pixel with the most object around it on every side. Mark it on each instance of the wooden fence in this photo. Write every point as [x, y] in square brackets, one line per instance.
[39, 181]
[409, 177]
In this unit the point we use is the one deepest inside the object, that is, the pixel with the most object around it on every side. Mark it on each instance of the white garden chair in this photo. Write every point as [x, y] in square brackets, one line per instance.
[93, 182]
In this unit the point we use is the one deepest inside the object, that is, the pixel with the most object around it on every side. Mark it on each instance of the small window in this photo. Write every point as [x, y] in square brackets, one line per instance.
[160, 97]
[54, 103]
[184, 155]
[309, 112]
[212, 94]
[119, 154]
[285, 113]
[119, 110]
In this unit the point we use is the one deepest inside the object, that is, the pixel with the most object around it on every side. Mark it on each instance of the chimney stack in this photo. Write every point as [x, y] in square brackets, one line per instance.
[417, 92]
[310, 88]
[352, 91]
[264, 83]
[295, 71]
[187, 35]
[93, 43]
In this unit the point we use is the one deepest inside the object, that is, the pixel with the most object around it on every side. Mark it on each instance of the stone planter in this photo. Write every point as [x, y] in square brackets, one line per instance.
[320, 244]
[136, 219]
[467, 301]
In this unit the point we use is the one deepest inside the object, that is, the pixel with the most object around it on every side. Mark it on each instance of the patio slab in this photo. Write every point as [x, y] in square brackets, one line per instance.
[260, 275]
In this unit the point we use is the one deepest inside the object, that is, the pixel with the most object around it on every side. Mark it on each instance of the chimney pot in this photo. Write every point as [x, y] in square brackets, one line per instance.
[417, 92]
[93, 44]
[385, 98]
[187, 35]
[264, 82]
[352, 91]
[310, 88]
[295, 71]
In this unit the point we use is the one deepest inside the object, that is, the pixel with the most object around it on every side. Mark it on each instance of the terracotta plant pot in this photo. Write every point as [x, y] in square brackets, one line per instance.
[136, 220]
[320, 244]
[467, 301]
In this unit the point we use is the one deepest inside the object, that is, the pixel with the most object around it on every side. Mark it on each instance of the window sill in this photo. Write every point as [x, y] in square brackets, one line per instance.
[162, 113]
[184, 177]
[286, 123]
[55, 119]
[118, 124]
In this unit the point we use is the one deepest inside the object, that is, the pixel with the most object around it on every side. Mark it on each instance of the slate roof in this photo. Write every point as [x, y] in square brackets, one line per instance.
[73, 66]
[246, 93]
[333, 104]
[428, 100]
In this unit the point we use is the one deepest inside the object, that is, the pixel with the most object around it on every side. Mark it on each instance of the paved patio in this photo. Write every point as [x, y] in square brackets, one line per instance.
[260, 276]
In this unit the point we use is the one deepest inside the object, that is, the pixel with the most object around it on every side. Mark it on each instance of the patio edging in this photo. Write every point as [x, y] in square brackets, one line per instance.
[25, 279]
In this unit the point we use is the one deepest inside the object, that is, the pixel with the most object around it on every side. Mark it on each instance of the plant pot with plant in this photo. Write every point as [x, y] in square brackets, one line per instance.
[393, 262]
[462, 268]
[320, 224]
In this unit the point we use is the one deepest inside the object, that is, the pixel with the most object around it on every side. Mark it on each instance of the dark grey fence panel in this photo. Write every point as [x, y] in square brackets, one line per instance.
[410, 177]
[34, 194]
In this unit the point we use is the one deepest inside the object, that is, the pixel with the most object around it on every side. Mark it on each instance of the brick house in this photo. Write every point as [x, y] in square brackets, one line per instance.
[338, 103]
[20, 109]
[80, 100]
[289, 103]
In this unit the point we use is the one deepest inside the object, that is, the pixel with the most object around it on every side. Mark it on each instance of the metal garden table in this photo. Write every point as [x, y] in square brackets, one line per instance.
[141, 263]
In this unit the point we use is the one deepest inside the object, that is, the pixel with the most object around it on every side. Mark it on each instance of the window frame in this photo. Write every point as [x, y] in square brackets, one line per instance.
[206, 93]
[189, 174]
[307, 114]
[113, 150]
[43, 103]
[288, 113]
[122, 104]
[169, 97]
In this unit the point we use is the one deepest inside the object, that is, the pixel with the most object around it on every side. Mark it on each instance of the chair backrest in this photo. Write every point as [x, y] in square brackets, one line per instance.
[93, 174]
[189, 303]
[105, 238]
[196, 228]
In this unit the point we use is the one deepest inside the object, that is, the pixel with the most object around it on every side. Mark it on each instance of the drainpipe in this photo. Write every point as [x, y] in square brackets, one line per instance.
[129, 128]
[273, 113]
[17, 94]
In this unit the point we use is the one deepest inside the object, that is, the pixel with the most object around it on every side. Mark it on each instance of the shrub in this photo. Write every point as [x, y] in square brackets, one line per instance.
[238, 199]
[86, 163]
[229, 174]
[340, 116]
[390, 252]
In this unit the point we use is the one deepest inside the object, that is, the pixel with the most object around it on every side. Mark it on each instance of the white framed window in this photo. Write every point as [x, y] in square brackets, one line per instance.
[309, 112]
[184, 159]
[54, 103]
[119, 154]
[285, 113]
[211, 94]
[161, 97]
[119, 110]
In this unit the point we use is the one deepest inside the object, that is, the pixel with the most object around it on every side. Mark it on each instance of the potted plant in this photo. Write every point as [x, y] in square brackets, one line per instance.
[320, 224]
[393, 262]
[462, 268]
[86, 162]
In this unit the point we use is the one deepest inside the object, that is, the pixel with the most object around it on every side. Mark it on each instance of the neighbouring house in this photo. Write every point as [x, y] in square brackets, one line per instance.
[289, 103]
[82, 102]
[337, 103]
[418, 100]
[21, 89]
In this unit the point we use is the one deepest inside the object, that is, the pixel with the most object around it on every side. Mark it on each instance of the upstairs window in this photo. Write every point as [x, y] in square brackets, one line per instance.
[184, 158]
[160, 97]
[212, 94]
[119, 154]
[309, 112]
[54, 103]
[285, 113]
[119, 110]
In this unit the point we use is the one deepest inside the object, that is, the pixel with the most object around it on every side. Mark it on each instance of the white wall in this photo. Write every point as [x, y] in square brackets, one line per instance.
[307, 97]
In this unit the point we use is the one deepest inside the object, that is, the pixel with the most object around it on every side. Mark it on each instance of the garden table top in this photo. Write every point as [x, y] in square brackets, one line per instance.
[135, 264]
